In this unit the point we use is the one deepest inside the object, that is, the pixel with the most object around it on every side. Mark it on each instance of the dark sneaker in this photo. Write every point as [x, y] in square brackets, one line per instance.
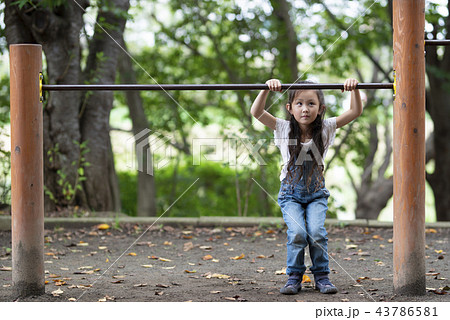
[293, 285]
[324, 285]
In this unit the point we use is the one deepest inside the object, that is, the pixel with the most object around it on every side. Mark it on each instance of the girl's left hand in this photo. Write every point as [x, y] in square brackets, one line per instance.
[350, 84]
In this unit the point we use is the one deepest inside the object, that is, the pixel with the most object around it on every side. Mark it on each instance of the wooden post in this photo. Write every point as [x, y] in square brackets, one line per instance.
[27, 194]
[409, 147]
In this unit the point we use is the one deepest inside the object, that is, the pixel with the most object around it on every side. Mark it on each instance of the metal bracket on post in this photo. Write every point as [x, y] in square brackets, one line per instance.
[41, 79]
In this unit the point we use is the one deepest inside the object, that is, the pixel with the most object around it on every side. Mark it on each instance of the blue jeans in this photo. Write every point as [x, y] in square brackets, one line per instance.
[304, 212]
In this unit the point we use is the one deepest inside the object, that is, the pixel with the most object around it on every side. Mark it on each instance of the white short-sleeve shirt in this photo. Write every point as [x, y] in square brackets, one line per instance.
[281, 140]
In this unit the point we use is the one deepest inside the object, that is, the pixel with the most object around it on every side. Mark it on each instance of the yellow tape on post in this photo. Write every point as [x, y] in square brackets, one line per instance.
[41, 79]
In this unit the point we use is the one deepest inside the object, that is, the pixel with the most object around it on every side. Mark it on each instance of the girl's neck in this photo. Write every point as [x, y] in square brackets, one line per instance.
[306, 133]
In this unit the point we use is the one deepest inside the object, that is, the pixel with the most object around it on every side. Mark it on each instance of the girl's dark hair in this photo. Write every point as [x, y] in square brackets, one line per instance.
[295, 134]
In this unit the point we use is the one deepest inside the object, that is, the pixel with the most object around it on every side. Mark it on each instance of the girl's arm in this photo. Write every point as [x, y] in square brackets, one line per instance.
[258, 105]
[355, 105]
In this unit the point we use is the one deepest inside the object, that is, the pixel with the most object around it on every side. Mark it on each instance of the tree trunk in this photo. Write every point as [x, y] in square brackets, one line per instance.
[66, 125]
[60, 40]
[440, 179]
[102, 185]
[438, 70]
[146, 192]
[287, 40]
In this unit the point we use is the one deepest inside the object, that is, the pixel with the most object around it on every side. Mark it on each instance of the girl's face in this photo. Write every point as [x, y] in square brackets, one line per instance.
[305, 107]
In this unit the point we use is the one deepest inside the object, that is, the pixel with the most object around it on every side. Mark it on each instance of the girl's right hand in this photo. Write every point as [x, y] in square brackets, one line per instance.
[274, 85]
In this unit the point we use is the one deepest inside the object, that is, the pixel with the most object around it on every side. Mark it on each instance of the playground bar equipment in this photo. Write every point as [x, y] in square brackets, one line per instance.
[169, 87]
[409, 147]
[27, 194]
[437, 42]
[27, 184]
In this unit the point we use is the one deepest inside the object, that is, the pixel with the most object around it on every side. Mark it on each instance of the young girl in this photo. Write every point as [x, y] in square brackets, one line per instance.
[303, 141]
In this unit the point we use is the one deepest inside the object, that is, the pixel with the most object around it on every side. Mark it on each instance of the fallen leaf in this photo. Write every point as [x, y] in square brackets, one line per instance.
[168, 268]
[159, 293]
[257, 233]
[72, 299]
[118, 277]
[440, 292]
[3, 268]
[164, 259]
[85, 267]
[438, 251]
[282, 271]
[153, 257]
[235, 298]
[167, 243]
[205, 247]
[430, 230]
[377, 279]
[193, 271]
[132, 254]
[102, 248]
[58, 292]
[207, 257]
[215, 260]
[377, 237]
[351, 246]
[214, 292]
[261, 256]
[208, 275]
[306, 279]
[103, 226]
[188, 246]
[54, 276]
[147, 266]
[159, 285]
[139, 285]
[59, 283]
[238, 257]
[82, 244]
[117, 281]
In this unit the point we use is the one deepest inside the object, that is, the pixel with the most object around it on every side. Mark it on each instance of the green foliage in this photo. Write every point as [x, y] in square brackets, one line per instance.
[214, 194]
[5, 156]
[128, 192]
[67, 189]
[43, 3]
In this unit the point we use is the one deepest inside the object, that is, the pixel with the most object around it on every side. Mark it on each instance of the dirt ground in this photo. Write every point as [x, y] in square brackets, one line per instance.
[217, 264]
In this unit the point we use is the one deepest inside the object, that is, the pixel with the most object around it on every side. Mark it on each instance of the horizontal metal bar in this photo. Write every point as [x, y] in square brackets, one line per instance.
[437, 42]
[169, 87]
